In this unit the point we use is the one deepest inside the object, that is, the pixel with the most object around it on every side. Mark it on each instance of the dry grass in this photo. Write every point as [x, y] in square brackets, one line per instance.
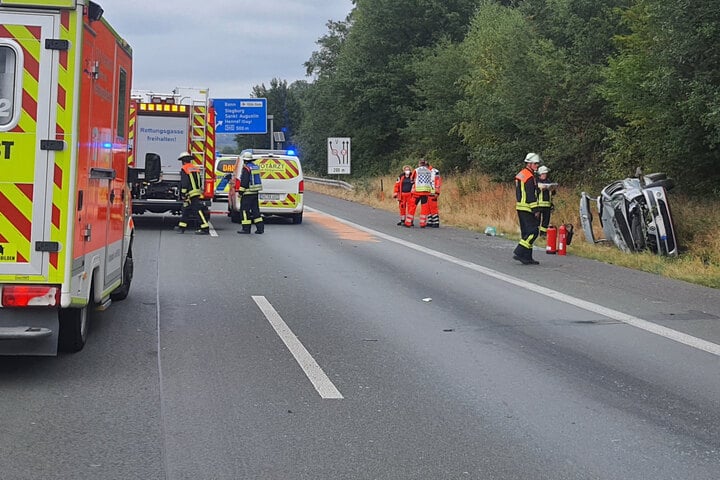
[473, 202]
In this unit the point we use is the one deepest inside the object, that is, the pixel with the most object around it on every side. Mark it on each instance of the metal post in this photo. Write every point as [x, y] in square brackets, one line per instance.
[272, 130]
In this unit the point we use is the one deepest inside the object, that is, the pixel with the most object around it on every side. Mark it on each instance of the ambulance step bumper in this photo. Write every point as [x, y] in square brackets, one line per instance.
[24, 333]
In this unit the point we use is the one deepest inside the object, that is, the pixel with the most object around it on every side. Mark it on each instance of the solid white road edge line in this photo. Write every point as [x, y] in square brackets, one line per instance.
[213, 233]
[668, 333]
[317, 376]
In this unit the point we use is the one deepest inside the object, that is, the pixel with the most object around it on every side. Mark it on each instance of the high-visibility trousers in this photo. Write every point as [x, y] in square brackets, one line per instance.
[433, 212]
[421, 200]
[404, 199]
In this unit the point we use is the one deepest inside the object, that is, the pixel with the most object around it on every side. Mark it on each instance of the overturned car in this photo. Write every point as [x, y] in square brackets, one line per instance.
[634, 214]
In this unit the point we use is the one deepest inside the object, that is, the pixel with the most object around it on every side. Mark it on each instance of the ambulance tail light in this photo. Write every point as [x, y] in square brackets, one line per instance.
[30, 296]
[301, 187]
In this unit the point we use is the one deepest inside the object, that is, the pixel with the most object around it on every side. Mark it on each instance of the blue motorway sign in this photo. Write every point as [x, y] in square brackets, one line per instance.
[240, 115]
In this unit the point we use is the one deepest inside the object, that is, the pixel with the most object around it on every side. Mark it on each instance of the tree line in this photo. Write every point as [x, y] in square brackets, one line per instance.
[596, 87]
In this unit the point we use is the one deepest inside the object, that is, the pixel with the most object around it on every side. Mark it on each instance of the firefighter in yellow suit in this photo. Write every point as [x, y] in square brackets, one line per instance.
[526, 204]
[249, 186]
[192, 196]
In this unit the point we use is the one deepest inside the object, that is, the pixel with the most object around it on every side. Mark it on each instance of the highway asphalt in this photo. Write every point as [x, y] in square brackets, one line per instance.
[347, 347]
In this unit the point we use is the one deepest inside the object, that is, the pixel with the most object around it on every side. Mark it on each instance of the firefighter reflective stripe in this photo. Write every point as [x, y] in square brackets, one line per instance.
[525, 191]
[193, 177]
[544, 197]
[423, 180]
[250, 181]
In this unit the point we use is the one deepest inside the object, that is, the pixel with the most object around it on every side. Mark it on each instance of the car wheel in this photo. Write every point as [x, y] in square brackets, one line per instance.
[74, 324]
[297, 218]
[123, 290]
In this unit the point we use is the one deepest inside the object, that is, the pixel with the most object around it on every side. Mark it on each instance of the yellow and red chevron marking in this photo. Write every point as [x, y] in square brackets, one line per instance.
[16, 217]
[62, 160]
[210, 143]
[290, 201]
[132, 118]
[28, 37]
[277, 169]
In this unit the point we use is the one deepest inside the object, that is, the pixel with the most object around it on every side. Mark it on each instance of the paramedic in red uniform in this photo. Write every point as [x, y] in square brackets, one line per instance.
[403, 191]
[422, 188]
[433, 212]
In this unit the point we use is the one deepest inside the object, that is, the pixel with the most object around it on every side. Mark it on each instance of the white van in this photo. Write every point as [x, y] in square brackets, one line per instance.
[282, 182]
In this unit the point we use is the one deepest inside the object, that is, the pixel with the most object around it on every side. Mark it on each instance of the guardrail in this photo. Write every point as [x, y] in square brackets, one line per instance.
[330, 182]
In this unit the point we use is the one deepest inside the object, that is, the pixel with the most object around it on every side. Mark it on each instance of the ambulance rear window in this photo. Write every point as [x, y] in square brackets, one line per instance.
[9, 87]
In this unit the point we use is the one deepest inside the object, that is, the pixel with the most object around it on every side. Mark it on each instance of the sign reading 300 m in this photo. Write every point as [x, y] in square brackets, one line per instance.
[240, 115]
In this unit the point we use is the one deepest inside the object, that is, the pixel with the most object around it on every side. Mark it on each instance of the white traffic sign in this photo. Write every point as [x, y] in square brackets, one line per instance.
[338, 155]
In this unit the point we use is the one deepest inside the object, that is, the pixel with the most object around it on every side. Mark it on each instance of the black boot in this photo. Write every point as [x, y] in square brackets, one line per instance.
[522, 255]
[244, 231]
[260, 228]
[529, 258]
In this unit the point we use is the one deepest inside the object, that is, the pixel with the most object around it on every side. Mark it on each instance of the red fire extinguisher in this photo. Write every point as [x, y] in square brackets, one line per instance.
[562, 240]
[551, 240]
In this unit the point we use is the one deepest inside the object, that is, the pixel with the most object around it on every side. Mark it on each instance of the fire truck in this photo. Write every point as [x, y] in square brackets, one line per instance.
[161, 127]
[66, 228]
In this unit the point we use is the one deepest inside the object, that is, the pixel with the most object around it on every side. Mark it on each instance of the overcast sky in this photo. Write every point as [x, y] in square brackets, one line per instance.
[228, 46]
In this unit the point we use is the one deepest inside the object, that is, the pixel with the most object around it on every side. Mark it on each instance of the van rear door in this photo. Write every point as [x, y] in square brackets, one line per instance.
[281, 183]
[28, 95]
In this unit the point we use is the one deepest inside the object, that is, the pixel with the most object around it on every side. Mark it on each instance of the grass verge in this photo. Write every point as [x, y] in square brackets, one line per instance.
[474, 202]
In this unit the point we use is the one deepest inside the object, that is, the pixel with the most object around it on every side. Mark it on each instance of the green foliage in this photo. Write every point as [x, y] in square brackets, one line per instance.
[598, 88]
[665, 86]
[431, 122]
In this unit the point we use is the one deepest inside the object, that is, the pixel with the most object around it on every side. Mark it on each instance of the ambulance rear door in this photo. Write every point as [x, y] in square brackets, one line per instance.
[28, 89]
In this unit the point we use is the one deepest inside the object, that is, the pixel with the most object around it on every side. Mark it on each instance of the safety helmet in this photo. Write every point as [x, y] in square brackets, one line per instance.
[543, 169]
[247, 156]
[532, 158]
[185, 156]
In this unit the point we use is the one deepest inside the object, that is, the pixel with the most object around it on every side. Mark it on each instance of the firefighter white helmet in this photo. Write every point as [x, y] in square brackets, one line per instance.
[543, 169]
[532, 158]
[185, 156]
[247, 156]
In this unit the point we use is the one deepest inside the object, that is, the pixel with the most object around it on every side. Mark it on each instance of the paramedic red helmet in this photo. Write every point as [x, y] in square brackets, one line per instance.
[532, 158]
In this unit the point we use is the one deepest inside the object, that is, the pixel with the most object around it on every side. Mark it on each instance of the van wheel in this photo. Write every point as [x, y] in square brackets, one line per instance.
[297, 218]
[123, 290]
[74, 323]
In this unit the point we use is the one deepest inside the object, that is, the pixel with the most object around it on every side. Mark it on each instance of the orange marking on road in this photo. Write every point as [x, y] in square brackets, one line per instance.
[343, 231]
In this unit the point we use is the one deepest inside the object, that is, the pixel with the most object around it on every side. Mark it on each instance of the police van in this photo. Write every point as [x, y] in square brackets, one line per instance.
[282, 185]
[224, 168]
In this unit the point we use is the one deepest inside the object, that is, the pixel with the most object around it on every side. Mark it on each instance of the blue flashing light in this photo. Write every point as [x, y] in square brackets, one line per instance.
[290, 152]
[107, 145]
